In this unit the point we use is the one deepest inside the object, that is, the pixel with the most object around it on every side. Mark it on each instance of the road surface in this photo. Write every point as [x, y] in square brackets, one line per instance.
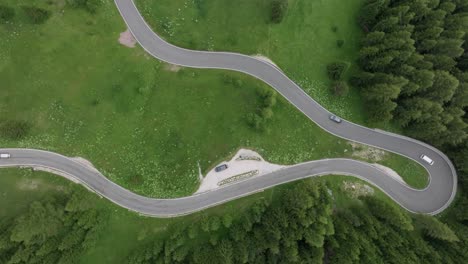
[431, 200]
[426, 201]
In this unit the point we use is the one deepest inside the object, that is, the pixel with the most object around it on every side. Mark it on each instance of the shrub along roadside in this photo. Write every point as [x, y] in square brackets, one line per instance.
[335, 72]
[339, 88]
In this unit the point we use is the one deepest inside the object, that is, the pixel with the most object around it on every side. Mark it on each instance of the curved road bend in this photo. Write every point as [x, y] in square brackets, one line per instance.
[443, 176]
[417, 201]
[432, 200]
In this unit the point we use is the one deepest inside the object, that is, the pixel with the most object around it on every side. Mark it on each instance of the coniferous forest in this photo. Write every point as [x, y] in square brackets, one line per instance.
[56, 229]
[414, 67]
[304, 227]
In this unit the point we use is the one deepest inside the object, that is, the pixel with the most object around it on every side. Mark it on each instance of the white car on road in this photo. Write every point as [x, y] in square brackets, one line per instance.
[5, 155]
[427, 159]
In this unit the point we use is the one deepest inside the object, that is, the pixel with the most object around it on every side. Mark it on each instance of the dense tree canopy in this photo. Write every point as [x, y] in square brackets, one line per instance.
[54, 230]
[303, 228]
[417, 48]
[292, 230]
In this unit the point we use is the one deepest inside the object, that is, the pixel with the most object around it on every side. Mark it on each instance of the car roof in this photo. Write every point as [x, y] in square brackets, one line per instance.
[424, 157]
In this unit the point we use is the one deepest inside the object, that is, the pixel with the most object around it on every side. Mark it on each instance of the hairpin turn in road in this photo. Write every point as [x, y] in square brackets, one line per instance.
[436, 197]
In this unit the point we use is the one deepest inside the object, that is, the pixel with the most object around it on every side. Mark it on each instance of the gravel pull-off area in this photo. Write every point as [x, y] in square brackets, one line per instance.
[244, 161]
[126, 38]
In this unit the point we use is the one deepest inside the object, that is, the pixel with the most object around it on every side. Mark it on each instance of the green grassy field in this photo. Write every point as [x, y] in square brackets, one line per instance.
[302, 44]
[143, 125]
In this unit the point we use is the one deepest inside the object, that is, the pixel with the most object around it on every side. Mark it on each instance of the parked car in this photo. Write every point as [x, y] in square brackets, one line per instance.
[5, 155]
[334, 118]
[221, 167]
[427, 159]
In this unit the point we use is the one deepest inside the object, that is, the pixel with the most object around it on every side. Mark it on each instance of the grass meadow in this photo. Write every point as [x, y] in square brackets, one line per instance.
[147, 126]
[302, 44]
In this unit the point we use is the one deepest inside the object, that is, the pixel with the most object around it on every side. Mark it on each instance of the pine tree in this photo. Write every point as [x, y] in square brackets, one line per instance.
[436, 229]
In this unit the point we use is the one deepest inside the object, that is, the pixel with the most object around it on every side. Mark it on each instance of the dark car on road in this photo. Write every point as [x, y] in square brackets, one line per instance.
[221, 167]
[335, 118]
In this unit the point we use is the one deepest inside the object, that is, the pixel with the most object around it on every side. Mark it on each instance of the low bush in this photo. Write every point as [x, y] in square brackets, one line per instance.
[201, 7]
[336, 70]
[267, 113]
[14, 129]
[36, 15]
[89, 5]
[278, 10]
[339, 88]
[255, 121]
[267, 95]
[267, 98]
[6, 13]
[340, 43]
[231, 80]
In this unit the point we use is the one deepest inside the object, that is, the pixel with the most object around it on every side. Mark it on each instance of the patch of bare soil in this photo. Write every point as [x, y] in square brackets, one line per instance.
[366, 152]
[357, 189]
[172, 67]
[126, 38]
[28, 185]
[389, 172]
[85, 162]
[34, 184]
[265, 59]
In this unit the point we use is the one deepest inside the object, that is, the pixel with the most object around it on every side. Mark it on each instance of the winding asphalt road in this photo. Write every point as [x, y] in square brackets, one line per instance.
[431, 200]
